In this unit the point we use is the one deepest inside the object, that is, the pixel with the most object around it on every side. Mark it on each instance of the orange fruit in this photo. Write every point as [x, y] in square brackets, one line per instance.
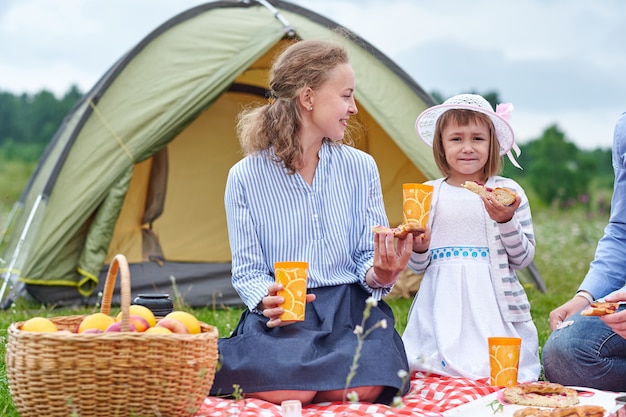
[98, 321]
[141, 311]
[158, 330]
[191, 323]
[506, 377]
[293, 277]
[39, 324]
[416, 203]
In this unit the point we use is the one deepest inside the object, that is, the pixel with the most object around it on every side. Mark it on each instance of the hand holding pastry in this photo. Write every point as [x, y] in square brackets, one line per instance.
[616, 321]
[500, 203]
[499, 212]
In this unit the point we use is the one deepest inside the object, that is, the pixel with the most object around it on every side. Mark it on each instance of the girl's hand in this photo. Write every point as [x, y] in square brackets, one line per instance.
[498, 211]
[421, 243]
[271, 305]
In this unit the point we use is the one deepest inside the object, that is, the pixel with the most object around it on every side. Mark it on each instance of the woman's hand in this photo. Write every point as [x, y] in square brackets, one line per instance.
[616, 321]
[271, 305]
[498, 211]
[391, 257]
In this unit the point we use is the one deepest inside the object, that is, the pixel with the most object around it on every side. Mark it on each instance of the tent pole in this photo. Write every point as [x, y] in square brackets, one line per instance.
[8, 275]
[289, 30]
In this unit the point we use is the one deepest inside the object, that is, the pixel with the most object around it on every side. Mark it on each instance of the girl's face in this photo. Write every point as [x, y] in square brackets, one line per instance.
[333, 103]
[466, 149]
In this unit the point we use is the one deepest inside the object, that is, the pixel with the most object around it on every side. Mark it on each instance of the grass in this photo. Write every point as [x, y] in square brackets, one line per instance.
[566, 245]
[13, 177]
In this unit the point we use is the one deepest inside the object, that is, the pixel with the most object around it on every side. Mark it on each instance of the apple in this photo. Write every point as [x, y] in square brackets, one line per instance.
[117, 327]
[176, 326]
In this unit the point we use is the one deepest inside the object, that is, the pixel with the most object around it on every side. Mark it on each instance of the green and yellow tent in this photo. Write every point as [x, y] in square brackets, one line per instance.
[139, 165]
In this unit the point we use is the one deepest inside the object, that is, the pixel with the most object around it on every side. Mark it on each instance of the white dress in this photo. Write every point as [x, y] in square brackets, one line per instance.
[455, 310]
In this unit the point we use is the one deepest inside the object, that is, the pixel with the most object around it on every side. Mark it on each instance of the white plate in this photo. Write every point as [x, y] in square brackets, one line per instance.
[481, 407]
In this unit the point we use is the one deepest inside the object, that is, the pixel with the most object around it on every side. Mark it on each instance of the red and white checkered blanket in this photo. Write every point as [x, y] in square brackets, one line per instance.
[429, 397]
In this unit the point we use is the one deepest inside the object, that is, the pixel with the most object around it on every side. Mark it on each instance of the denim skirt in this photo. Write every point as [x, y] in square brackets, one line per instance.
[316, 354]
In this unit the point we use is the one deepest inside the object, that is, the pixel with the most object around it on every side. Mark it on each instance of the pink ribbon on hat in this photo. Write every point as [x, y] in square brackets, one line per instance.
[504, 110]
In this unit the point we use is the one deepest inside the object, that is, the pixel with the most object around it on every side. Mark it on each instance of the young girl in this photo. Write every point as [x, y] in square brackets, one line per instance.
[473, 244]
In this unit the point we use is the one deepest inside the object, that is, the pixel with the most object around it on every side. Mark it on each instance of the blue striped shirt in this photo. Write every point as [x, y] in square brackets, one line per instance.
[273, 216]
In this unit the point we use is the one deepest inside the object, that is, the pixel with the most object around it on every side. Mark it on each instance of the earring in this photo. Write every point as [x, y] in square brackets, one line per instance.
[311, 108]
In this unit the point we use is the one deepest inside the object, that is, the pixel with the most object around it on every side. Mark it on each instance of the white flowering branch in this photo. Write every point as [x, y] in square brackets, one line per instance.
[397, 400]
[361, 334]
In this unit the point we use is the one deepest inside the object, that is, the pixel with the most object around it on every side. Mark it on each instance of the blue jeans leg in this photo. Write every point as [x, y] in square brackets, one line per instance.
[586, 353]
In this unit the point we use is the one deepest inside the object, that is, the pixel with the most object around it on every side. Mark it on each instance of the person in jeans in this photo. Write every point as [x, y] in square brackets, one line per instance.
[591, 351]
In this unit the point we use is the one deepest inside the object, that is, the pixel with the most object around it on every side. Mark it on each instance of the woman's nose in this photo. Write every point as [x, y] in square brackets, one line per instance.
[352, 108]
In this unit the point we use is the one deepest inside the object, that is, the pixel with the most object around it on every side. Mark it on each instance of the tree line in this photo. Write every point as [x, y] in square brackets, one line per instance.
[555, 169]
[29, 121]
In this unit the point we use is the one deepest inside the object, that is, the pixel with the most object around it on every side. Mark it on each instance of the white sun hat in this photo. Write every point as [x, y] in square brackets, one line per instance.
[427, 121]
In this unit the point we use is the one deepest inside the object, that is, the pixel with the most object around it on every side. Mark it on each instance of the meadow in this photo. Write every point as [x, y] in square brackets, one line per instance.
[566, 242]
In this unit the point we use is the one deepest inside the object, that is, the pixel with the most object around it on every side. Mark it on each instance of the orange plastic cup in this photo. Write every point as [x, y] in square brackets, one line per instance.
[293, 276]
[504, 360]
[416, 203]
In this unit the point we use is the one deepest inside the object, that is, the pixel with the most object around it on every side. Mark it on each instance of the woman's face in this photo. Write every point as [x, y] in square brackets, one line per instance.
[466, 147]
[333, 103]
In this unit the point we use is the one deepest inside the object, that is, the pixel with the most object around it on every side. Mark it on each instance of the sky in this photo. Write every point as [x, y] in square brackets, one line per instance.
[559, 62]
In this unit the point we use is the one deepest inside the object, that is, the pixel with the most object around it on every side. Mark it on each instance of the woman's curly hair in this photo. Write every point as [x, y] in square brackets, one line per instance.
[276, 124]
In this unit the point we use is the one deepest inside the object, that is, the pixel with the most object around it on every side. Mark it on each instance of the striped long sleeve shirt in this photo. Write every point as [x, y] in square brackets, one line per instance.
[273, 216]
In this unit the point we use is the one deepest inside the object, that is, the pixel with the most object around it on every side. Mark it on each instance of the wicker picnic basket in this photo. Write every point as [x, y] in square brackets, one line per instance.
[109, 374]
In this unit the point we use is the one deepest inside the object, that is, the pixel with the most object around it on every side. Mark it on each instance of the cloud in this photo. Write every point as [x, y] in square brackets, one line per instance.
[48, 18]
[53, 44]
[560, 62]
[562, 83]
